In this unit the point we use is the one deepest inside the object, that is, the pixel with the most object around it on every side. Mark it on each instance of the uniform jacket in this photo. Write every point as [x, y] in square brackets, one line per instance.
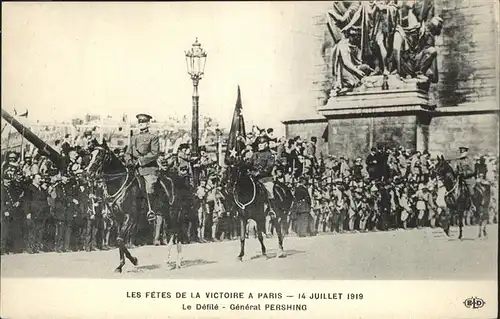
[263, 162]
[465, 168]
[9, 199]
[144, 151]
[37, 202]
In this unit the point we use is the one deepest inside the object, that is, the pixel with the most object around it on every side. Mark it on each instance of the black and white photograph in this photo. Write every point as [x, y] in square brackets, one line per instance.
[300, 141]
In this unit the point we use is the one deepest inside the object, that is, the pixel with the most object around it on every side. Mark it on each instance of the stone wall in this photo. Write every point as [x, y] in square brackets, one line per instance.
[353, 137]
[465, 96]
[467, 52]
[308, 129]
[479, 132]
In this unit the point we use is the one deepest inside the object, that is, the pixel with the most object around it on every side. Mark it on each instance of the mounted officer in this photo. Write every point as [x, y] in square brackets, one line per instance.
[262, 163]
[465, 169]
[143, 154]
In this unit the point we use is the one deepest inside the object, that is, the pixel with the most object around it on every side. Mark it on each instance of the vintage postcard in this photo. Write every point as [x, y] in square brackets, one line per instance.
[250, 159]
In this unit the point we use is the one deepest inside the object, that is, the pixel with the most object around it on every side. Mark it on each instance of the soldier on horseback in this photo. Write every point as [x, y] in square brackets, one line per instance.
[262, 163]
[464, 166]
[143, 154]
[466, 171]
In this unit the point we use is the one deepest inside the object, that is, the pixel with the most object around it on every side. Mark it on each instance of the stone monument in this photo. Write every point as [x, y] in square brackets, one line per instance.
[382, 60]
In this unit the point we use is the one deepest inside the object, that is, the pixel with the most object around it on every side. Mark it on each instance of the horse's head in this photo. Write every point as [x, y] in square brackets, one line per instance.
[444, 169]
[99, 158]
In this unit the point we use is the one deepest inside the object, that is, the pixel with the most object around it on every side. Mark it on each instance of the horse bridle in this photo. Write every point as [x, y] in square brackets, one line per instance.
[111, 199]
[241, 205]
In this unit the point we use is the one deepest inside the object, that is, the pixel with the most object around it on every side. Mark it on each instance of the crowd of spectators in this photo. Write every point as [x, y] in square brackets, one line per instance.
[391, 188]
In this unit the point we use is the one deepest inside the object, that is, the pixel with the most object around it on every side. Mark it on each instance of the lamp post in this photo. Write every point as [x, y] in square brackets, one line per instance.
[195, 62]
[218, 134]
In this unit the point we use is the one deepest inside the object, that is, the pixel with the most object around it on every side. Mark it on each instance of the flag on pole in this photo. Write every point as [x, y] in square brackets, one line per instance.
[237, 132]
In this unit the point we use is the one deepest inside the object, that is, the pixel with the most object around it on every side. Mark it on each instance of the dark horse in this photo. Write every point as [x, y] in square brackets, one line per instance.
[458, 197]
[124, 195]
[250, 198]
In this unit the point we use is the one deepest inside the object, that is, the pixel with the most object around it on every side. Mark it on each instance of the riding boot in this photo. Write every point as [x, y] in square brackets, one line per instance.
[150, 213]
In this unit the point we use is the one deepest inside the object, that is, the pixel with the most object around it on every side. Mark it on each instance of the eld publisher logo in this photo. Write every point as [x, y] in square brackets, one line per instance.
[474, 303]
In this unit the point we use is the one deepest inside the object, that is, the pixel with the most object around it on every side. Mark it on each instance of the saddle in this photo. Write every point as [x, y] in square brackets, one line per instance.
[164, 183]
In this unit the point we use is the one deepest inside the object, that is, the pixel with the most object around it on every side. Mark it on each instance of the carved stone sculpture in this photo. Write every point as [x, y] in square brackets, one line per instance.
[382, 38]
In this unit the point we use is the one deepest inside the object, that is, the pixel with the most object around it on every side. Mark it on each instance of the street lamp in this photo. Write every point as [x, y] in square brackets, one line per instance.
[195, 62]
[218, 134]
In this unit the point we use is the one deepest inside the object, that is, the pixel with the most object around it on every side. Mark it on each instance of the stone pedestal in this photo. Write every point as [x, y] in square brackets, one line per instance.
[370, 117]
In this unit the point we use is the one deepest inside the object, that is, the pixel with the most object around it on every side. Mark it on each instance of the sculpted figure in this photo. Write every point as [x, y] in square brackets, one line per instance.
[385, 18]
[346, 65]
[414, 41]
[382, 37]
[349, 25]
[339, 16]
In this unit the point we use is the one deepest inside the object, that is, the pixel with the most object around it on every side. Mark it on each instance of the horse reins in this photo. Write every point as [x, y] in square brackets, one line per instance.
[243, 206]
[453, 189]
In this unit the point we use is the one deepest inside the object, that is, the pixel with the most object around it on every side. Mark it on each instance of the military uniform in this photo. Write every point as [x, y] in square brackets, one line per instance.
[11, 165]
[263, 163]
[66, 206]
[8, 208]
[144, 152]
[38, 212]
[465, 169]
